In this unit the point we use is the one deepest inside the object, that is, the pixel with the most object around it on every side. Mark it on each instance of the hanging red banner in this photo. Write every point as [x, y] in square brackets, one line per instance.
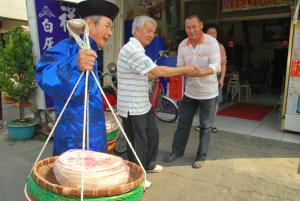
[295, 69]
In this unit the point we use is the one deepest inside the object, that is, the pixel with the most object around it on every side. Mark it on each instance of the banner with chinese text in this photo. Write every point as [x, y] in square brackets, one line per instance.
[52, 17]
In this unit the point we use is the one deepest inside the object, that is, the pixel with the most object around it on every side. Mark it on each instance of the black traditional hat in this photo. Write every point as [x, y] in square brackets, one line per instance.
[98, 7]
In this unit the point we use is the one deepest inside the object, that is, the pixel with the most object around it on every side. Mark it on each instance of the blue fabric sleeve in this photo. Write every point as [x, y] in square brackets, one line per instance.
[56, 69]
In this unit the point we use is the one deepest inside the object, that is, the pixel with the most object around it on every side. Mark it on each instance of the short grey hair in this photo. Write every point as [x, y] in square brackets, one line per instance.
[95, 18]
[139, 22]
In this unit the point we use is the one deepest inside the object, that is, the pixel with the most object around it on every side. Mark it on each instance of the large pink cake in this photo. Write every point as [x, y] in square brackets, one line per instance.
[101, 170]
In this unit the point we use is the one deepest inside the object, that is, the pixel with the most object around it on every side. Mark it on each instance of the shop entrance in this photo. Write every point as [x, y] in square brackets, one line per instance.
[257, 54]
[255, 35]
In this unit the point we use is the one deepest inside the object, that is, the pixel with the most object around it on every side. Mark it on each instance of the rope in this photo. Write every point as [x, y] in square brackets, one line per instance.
[84, 133]
[88, 126]
[80, 24]
[119, 124]
[52, 131]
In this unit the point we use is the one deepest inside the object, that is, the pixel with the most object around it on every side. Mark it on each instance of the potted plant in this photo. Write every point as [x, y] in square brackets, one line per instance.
[17, 78]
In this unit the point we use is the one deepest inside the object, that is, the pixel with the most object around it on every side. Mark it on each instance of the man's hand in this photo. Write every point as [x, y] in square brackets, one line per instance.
[86, 59]
[190, 70]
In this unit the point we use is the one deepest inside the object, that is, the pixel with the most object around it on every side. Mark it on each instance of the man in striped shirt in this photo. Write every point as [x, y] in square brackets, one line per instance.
[135, 69]
[200, 92]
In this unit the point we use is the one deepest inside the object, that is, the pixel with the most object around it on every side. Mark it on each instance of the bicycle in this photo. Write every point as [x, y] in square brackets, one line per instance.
[165, 108]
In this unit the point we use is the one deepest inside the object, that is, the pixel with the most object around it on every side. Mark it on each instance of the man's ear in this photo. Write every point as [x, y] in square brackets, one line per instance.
[201, 25]
[136, 31]
[89, 21]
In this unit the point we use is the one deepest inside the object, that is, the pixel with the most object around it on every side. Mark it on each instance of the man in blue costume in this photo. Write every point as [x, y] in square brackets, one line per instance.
[60, 68]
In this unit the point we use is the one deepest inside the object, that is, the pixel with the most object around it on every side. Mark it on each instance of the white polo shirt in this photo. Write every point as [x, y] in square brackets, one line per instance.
[133, 66]
[206, 52]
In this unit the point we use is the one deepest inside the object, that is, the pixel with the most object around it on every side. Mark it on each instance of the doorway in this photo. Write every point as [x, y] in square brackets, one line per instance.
[279, 69]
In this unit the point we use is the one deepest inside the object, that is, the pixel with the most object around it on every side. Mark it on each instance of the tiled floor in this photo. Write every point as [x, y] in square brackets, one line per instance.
[269, 127]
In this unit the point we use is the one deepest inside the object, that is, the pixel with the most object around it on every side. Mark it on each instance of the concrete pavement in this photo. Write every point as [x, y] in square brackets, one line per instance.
[240, 168]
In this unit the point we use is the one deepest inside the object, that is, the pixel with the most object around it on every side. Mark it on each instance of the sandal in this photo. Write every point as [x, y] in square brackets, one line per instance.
[198, 164]
[214, 130]
[169, 157]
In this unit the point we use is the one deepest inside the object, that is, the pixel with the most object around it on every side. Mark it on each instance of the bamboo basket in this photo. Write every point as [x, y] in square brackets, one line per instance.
[36, 193]
[44, 177]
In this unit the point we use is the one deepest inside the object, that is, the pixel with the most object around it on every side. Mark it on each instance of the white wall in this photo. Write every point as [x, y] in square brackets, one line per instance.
[13, 9]
[14, 13]
[114, 44]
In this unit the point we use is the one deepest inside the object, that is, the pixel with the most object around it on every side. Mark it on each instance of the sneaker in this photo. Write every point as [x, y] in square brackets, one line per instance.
[156, 169]
[198, 164]
[148, 184]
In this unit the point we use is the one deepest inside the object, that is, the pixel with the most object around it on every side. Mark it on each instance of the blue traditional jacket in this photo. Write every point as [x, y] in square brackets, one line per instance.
[56, 73]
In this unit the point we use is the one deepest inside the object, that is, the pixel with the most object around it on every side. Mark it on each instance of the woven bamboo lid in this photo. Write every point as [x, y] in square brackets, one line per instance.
[44, 177]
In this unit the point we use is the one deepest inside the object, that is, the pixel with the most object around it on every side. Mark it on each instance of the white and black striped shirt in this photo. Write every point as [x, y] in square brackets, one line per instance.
[133, 67]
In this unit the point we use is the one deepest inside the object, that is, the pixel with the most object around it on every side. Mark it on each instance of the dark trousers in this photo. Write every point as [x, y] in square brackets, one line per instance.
[187, 111]
[143, 134]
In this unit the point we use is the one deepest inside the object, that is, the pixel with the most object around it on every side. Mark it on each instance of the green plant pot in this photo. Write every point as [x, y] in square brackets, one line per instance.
[21, 131]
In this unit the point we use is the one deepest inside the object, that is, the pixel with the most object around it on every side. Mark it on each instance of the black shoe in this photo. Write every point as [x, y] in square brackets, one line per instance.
[197, 128]
[169, 157]
[214, 130]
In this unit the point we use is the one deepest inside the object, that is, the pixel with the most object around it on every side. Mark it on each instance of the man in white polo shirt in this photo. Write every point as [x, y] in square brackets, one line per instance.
[135, 69]
[200, 92]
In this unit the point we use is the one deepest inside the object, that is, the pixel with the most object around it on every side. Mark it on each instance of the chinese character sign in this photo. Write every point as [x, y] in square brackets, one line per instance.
[52, 17]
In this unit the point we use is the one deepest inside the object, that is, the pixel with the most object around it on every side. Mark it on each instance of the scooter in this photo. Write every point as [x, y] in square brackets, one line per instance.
[110, 91]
